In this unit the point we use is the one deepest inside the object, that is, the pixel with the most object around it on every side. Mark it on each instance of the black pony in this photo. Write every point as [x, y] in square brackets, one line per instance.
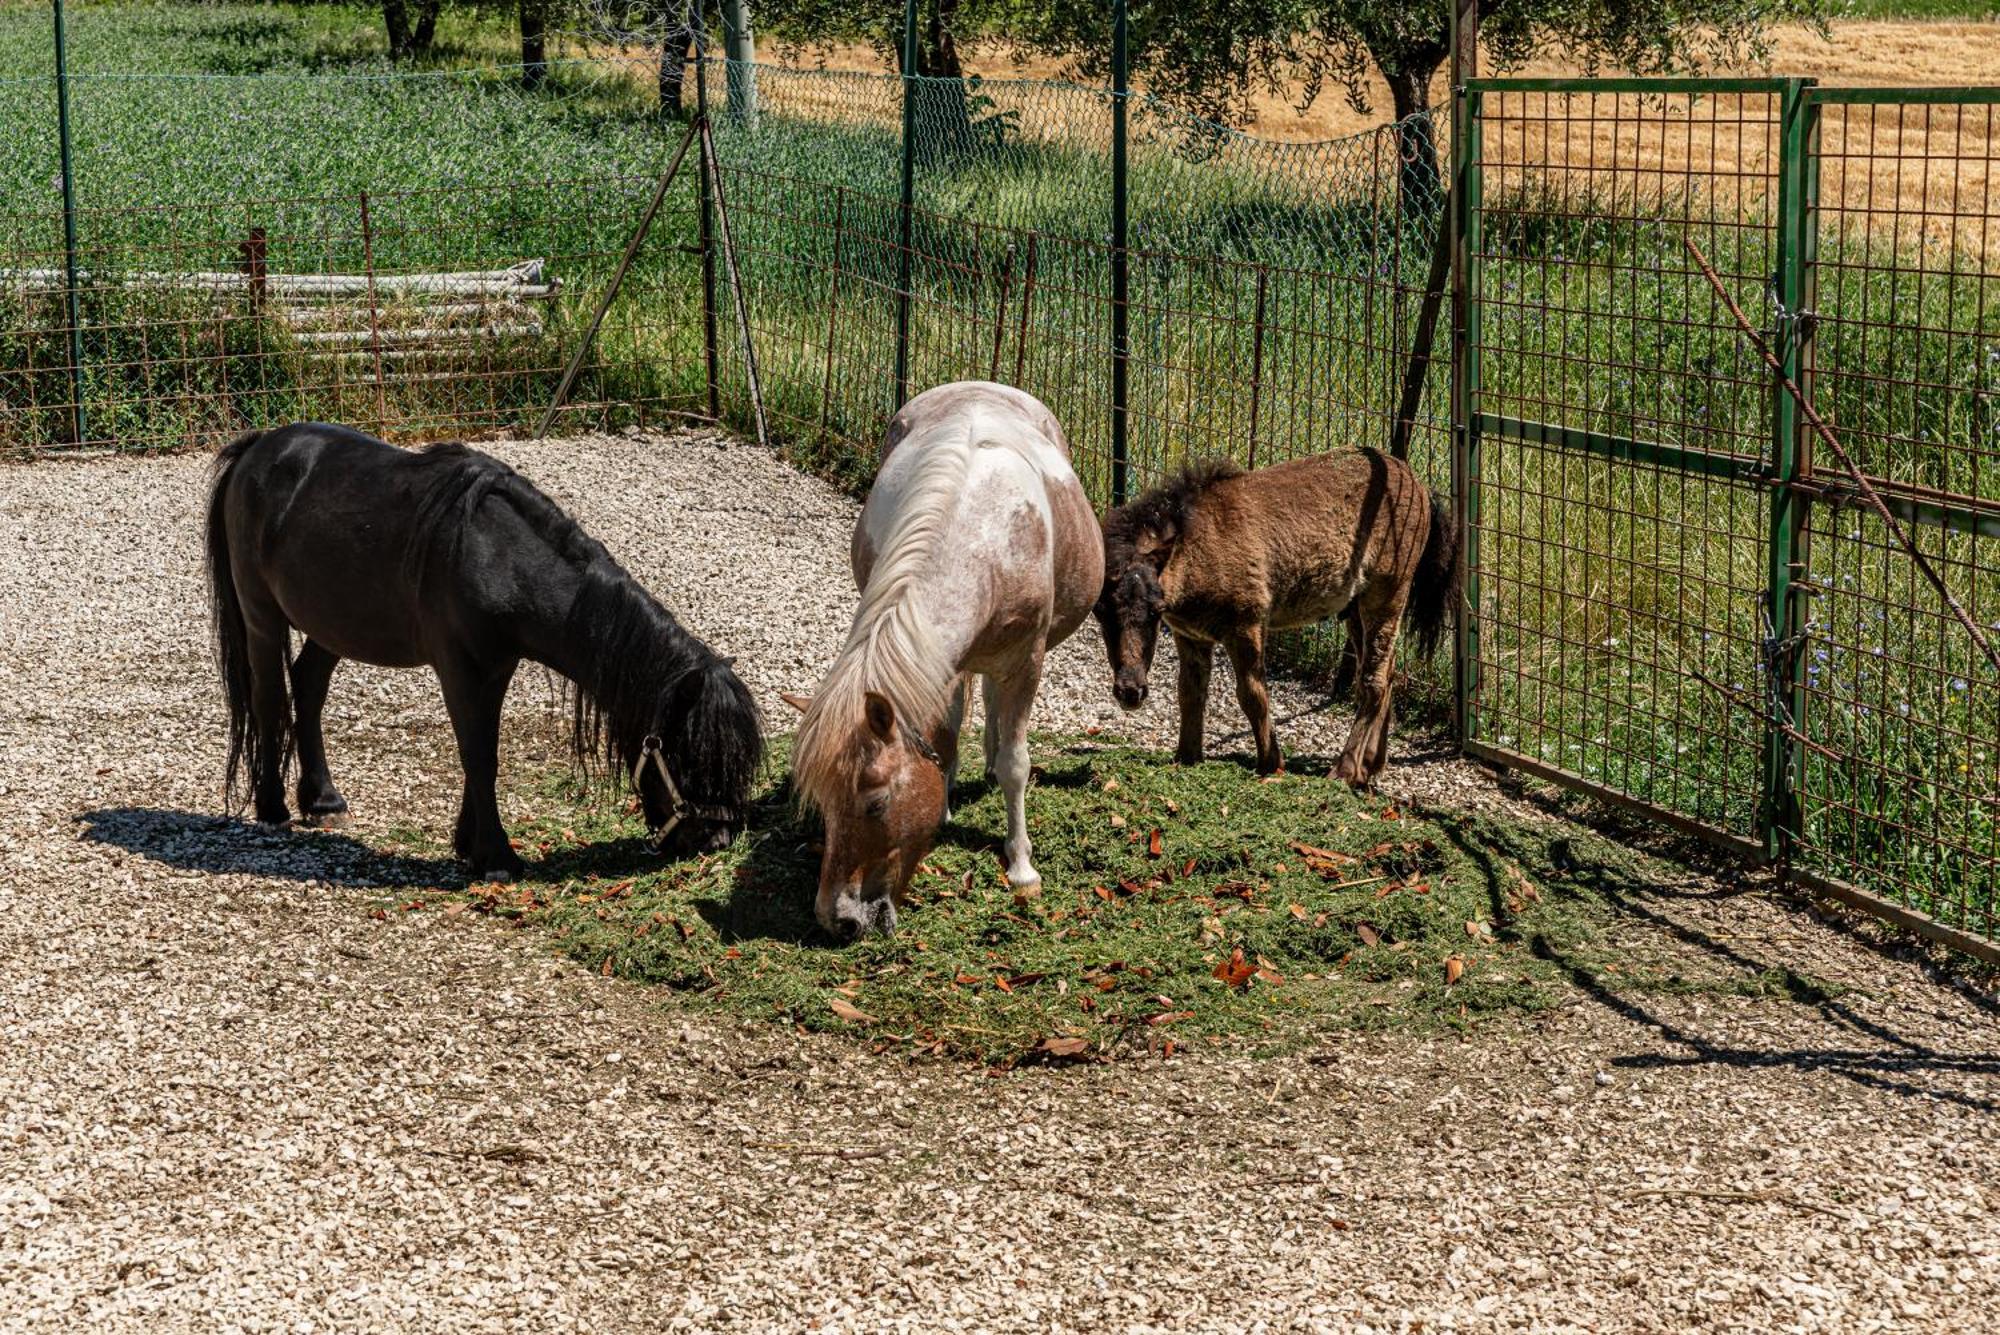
[448, 557]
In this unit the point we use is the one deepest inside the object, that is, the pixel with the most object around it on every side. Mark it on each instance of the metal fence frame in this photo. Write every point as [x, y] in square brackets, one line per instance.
[1783, 478]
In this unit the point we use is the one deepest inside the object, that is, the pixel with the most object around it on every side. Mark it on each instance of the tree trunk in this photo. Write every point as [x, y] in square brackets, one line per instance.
[396, 19]
[740, 49]
[1419, 186]
[676, 50]
[534, 44]
[427, 25]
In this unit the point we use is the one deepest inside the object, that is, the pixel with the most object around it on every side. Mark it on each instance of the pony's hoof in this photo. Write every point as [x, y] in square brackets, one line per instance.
[325, 820]
[274, 825]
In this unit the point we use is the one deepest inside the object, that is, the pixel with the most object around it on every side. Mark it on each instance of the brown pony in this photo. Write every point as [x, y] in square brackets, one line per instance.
[1225, 557]
[976, 551]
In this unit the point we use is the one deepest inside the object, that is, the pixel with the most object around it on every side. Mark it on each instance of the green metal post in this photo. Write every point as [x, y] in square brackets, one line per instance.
[1784, 758]
[707, 221]
[69, 227]
[1464, 223]
[905, 230]
[1121, 339]
[740, 52]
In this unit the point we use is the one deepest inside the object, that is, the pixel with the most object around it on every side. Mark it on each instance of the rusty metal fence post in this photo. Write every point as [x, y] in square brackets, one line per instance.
[374, 317]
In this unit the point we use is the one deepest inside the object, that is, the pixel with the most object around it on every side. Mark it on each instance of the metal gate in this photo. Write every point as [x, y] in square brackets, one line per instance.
[1687, 597]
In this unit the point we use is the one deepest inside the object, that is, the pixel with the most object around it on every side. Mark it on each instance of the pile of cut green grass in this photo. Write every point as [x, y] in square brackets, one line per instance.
[1180, 906]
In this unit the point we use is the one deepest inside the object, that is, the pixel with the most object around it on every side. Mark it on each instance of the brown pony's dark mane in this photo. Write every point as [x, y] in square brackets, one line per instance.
[1162, 510]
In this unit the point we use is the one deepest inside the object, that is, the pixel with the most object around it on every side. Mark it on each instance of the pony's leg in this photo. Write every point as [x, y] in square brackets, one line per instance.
[1246, 655]
[1367, 749]
[312, 671]
[271, 711]
[989, 695]
[954, 719]
[473, 696]
[1013, 699]
[1350, 654]
[1197, 662]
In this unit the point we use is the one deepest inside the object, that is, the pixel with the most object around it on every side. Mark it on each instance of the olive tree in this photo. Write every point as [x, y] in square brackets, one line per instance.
[1214, 57]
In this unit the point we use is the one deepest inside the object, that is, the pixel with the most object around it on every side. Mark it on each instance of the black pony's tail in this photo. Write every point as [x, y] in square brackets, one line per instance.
[1434, 590]
[232, 641]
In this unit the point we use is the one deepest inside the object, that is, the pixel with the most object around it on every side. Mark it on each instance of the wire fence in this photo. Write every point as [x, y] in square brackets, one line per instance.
[1273, 287]
[1685, 599]
[1269, 281]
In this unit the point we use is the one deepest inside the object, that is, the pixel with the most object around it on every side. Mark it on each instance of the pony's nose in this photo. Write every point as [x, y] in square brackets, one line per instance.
[1129, 696]
[856, 918]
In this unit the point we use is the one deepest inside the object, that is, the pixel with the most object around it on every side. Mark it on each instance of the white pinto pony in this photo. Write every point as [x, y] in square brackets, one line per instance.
[977, 551]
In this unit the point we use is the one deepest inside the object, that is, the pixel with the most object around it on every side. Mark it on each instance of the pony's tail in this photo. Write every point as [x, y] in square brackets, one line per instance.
[1434, 590]
[232, 641]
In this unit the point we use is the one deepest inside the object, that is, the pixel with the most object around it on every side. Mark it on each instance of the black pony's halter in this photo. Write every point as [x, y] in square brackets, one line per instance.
[652, 752]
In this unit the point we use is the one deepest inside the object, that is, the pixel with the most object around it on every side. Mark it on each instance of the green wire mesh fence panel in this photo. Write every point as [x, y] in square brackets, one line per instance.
[810, 188]
[1621, 424]
[1901, 785]
[1274, 287]
[231, 278]
[36, 394]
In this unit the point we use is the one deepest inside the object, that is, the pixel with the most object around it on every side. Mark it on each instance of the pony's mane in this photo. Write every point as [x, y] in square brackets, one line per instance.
[890, 648]
[462, 479]
[1161, 509]
[650, 672]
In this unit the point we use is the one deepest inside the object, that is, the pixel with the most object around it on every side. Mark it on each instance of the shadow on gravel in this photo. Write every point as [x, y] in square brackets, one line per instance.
[1894, 1067]
[226, 846]
[1890, 1062]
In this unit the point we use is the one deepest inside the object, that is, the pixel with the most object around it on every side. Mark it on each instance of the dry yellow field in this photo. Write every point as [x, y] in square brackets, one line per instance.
[1915, 173]
[1884, 53]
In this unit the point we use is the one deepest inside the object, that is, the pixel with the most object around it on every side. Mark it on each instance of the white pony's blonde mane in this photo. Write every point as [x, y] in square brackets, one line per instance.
[890, 648]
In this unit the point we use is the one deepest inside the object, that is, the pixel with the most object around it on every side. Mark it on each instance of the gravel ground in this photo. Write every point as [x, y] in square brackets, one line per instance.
[232, 1099]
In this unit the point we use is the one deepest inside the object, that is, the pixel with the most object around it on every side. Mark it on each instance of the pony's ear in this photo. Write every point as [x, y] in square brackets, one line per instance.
[1154, 543]
[799, 702]
[881, 717]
